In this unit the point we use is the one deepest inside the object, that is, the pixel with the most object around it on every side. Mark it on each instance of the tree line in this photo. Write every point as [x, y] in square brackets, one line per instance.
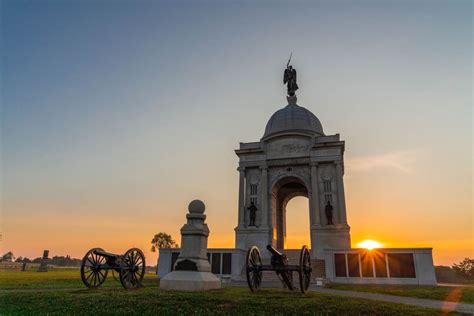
[61, 261]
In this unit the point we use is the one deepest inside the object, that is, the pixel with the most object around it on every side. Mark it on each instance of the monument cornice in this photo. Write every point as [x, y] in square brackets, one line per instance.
[301, 133]
[239, 152]
[339, 143]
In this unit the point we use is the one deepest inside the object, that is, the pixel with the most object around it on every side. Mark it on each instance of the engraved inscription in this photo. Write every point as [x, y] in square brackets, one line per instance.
[294, 148]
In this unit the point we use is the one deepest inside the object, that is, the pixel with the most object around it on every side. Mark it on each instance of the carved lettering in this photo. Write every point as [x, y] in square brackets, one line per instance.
[294, 148]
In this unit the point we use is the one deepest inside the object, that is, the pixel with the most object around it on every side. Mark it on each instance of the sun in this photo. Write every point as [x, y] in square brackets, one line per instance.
[369, 244]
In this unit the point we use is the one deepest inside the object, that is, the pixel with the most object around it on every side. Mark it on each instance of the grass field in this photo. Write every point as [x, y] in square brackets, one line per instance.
[21, 293]
[442, 293]
[57, 279]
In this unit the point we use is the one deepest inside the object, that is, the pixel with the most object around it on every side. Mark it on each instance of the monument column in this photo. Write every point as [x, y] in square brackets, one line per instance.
[264, 204]
[341, 196]
[241, 196]
[315, 216]
[192, 271]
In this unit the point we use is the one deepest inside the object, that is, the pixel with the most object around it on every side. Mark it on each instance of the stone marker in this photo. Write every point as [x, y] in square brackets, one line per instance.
[44, 265]
[192, 271]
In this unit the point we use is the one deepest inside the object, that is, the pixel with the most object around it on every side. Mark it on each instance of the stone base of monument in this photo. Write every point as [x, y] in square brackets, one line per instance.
[189, 281]
[192, 269]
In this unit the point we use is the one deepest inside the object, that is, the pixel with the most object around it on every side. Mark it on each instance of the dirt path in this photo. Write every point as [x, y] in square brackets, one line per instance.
[443, 305]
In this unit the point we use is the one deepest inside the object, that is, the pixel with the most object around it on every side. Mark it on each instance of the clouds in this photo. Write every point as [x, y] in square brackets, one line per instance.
[402, 161]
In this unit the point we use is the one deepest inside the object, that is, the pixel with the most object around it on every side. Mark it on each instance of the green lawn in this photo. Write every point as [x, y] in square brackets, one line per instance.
[453, 294]
[56, 279]
[112, 299]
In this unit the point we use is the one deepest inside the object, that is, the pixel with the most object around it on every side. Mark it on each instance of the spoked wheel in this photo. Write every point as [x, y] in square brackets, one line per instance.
[287, 279]
[254, 268]
[92, 273]
[305, 269]
[132, 269]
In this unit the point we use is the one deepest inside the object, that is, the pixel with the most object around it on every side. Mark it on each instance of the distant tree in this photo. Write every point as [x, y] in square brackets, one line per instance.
[25, 259]
[465, 269]
[19, 259]
[64, 261]
[9, 256]
[162, 240]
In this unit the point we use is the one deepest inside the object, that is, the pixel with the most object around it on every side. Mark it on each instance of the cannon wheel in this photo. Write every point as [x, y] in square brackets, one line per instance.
[91, 273]
[254, 268]
[287, 279]
[132, 269]
[304, 269]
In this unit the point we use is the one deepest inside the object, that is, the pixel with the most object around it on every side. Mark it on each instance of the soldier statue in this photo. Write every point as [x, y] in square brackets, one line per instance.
[328, 210]
[289, 78]
[253, 213]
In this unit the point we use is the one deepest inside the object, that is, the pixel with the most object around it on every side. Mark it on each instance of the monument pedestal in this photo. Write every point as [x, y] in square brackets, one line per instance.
[329, 237]
[190, 281]
[192, 271]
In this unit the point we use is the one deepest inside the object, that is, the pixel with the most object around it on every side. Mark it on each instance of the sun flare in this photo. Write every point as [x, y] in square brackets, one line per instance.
[369, 244]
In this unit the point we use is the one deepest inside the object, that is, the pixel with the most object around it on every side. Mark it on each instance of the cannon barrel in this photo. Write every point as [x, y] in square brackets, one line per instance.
[274, 251]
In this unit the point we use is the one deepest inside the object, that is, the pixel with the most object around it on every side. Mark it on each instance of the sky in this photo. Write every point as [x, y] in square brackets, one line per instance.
[116, 114]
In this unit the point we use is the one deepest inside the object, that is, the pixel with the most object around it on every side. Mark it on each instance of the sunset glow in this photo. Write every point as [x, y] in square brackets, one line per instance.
[369, 244]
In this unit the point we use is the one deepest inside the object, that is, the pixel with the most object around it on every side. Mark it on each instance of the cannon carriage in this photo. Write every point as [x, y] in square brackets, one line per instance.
[130, 266]
[279, 264]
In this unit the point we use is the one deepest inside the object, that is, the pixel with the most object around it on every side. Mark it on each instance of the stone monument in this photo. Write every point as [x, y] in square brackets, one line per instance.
[293, 158]
[192, 271]
[44, 265]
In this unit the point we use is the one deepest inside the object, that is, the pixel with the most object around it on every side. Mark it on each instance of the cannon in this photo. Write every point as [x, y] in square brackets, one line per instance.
[279, 264]
[130, 266]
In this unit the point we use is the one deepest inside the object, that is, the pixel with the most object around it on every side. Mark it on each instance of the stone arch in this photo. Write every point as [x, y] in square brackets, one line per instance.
[281, 177]
[283, 190]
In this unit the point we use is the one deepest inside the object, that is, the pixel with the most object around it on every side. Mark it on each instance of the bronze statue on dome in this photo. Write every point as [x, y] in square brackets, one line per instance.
[289, 78]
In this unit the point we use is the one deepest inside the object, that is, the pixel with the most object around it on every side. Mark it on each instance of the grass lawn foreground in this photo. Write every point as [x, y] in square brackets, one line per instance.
[463, 294]
[73, 298]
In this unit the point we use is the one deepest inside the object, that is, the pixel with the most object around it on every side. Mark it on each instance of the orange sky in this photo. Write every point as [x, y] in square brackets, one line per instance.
[138, 220]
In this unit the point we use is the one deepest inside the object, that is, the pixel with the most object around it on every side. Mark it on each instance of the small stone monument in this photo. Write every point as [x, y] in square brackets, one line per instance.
[192, 271]
[44, 264]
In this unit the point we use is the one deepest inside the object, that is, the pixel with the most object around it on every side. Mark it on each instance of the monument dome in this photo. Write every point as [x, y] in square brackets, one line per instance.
[293, 118]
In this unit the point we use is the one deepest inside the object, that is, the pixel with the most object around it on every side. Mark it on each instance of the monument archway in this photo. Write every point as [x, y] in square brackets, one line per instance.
[283, 191]
[298, 226]
[293, 158]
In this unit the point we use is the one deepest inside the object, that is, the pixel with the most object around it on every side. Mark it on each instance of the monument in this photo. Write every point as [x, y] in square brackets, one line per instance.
[294, 157]
[192, 271]
[44, 262]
